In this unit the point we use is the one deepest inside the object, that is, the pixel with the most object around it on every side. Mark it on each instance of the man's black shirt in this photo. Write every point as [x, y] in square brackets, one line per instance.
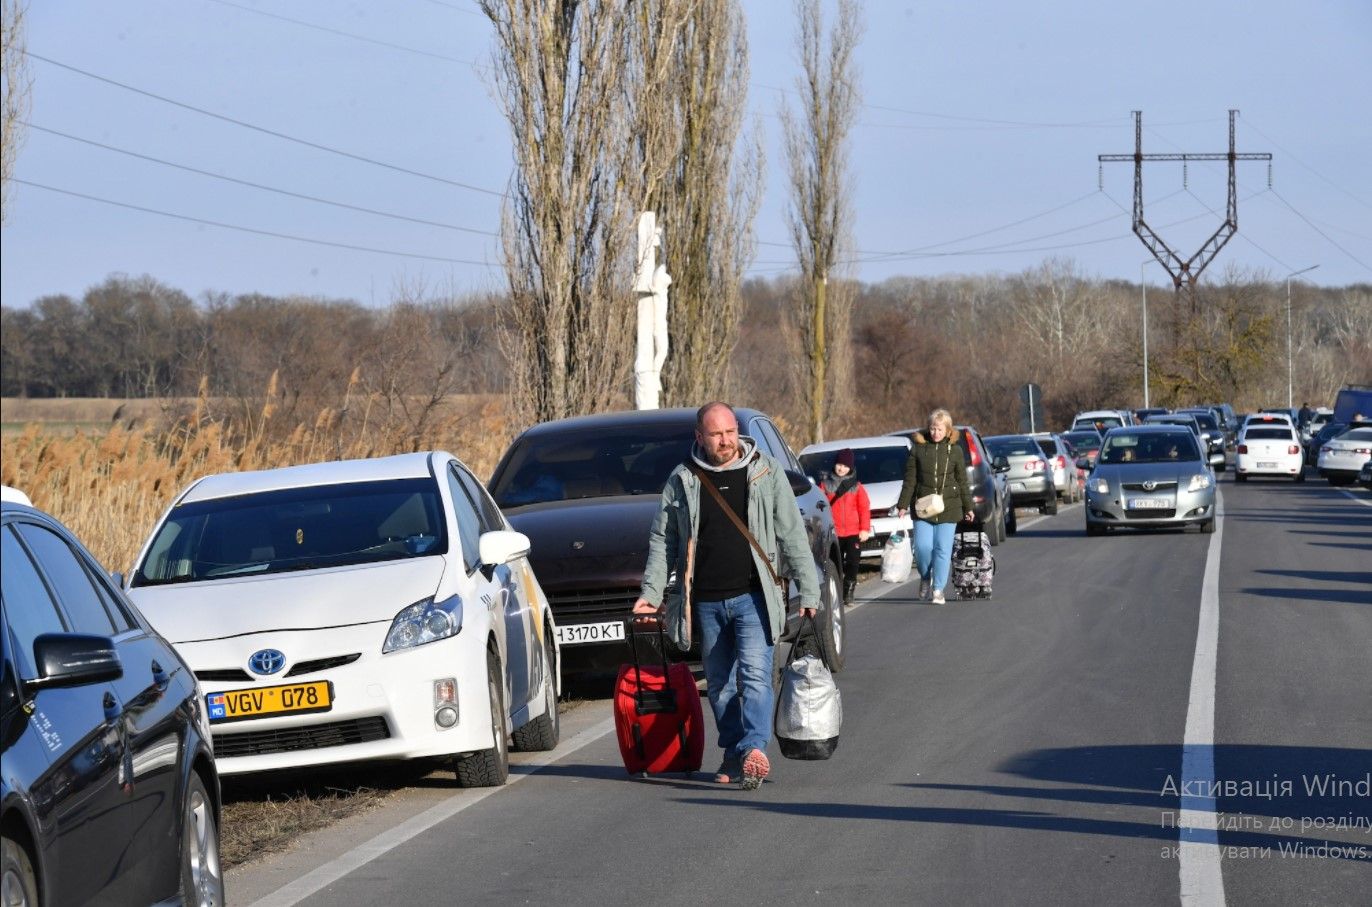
[724, 564]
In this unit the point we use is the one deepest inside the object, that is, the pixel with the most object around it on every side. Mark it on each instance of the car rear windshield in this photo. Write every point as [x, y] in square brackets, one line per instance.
[1099, 422]
[1150, 447]
[872, 464]
[1206, 420]
[296, 529]
[1357, 434]
[1088, 440]
[1013, 447]
[592, 464]
[1269, 434]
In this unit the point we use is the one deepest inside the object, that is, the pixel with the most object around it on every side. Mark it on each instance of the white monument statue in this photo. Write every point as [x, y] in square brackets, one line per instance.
[650, 284]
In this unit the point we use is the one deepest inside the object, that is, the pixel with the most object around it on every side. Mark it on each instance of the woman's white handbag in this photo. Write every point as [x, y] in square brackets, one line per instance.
[929, 505]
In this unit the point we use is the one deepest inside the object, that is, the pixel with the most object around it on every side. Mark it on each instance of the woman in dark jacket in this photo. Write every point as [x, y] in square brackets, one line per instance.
[936, 466]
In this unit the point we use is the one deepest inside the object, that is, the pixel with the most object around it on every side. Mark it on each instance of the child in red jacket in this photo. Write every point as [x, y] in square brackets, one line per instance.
[852, 516]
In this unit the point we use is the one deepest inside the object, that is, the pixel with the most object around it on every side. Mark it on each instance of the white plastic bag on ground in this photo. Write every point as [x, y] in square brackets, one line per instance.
[897, 560]
[809, 712]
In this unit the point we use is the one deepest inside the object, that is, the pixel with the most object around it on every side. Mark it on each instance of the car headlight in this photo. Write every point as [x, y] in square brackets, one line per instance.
[423, 622]
[1199, 481]
[1100, 486]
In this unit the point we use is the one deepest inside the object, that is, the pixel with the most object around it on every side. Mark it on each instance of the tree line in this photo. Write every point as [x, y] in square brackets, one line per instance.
[963, 342]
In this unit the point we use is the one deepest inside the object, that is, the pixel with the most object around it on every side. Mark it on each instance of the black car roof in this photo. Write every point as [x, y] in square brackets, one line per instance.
[626, 418]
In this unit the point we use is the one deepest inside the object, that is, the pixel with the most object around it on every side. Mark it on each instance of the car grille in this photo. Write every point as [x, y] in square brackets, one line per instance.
[592, 604]
[238, 675]
[1160, 486]
[1149, 514]
[322, 664]
[314, 737]
[230, 675]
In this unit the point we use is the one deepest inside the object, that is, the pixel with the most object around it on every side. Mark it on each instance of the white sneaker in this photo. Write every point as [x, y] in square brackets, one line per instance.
[938, 598]
[924, 590]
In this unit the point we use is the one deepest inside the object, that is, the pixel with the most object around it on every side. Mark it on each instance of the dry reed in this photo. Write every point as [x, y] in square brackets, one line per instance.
[111, 487]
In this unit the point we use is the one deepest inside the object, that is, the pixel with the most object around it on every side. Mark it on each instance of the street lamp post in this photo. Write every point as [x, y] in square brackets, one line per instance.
[1290, 369]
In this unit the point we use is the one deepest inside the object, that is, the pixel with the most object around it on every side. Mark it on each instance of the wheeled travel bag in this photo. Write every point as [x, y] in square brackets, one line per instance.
[973, 566]
[658, 719]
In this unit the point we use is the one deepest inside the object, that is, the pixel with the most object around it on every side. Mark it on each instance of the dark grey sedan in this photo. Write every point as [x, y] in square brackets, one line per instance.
[1150, 476]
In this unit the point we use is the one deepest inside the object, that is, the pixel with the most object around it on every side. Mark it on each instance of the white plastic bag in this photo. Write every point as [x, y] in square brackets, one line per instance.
[809, 711]
[897, 560]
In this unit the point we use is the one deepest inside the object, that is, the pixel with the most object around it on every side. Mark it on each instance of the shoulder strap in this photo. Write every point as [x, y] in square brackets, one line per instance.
[733, 518]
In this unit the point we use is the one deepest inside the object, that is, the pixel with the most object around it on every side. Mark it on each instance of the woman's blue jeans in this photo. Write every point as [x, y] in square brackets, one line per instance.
[934, 551]
[738, 671]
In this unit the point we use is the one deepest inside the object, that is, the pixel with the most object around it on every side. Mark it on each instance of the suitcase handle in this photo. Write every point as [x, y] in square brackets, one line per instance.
[649, 702]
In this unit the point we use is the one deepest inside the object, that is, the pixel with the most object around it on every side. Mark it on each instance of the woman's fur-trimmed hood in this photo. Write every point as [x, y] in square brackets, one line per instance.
[955, 436]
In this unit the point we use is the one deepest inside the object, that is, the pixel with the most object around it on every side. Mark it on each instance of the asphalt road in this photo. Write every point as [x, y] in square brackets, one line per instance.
[1028, 749]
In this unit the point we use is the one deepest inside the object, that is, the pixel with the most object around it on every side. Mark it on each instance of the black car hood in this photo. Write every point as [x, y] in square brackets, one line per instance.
[589, 542]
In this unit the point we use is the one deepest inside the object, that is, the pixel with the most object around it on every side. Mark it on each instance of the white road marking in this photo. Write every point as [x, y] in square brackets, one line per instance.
[316, 880]
[1354, 498]
[1202, 883]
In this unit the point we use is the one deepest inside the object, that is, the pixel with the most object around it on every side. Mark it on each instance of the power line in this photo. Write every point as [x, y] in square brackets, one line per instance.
[1016, 223]
[334, 31]
[1319, 231]
[265, 131]
[265, 188]
[1246, 239]
[1307, 166]
[253, 230]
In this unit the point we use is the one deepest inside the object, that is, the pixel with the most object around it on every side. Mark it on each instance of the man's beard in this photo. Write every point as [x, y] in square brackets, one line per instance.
[723, 457]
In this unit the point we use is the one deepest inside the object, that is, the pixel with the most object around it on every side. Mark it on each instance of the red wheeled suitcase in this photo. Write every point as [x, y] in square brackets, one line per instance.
[658, 720]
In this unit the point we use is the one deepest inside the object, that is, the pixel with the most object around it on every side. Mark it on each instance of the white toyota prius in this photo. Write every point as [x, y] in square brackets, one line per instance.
[364, 609]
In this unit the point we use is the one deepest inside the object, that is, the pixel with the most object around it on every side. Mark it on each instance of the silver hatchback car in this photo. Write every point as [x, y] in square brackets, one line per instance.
[1150, 476]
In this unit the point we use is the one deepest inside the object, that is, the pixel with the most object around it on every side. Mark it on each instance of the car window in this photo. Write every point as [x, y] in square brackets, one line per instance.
[1048, 447]
[291, 529]
[1083, 439]
[486, 510]
[1013, 447]
[872, 464]
[1357, 434]
[75, 593]
[591, 464]
[1150, 447]
[773, 443]
[1269, 434]
[468, 523]
[28, 604]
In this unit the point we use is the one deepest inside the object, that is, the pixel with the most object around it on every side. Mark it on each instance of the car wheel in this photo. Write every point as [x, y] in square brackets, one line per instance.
[1011, 521]
[1050, 506]
[202, 876]
[1300, 475]
[995, 532]
[833, 620]
[541, 734]
[1208, 527]
[489, 768]
[1240, 477]
[20, 882]
[1094, 529]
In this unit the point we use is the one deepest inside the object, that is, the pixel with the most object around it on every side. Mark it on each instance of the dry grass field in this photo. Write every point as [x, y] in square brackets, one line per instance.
[109, 468]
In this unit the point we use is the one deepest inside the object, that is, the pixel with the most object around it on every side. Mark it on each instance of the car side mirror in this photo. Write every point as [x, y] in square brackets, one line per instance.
[501, 546]
[1000, 464]
[73, 660]
[800, 482]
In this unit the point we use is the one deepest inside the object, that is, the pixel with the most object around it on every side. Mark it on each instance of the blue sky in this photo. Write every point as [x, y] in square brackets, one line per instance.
[978, 141]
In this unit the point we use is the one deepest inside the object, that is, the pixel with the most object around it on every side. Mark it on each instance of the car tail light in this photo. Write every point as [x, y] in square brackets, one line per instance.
[1243, 448]
[973, 454]
[1062, 462]
[1293, 449]
[1366, 450]
[1034, 466]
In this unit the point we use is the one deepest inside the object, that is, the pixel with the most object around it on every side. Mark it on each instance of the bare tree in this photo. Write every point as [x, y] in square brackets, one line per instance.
[18, 89]
[817, 165]
[559, 72]
[708, 197]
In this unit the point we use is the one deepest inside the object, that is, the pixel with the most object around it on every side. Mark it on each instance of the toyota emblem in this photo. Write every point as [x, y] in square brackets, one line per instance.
[266, 661]
[1149, 485]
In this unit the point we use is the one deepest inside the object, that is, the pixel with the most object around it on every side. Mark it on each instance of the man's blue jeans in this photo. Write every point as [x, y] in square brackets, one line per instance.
[738, 671]
[934, 551]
